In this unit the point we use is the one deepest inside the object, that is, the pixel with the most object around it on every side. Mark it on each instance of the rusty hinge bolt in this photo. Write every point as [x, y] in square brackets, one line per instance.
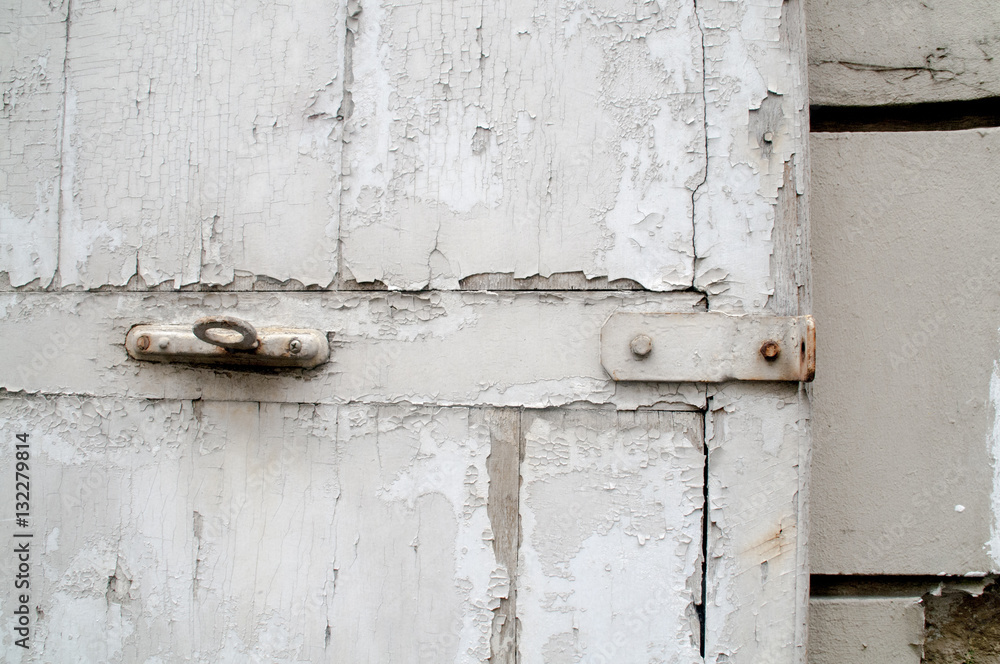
[770, 350]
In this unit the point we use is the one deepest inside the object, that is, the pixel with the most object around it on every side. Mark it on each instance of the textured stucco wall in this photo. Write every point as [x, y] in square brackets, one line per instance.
[906, 266]
[864, 53]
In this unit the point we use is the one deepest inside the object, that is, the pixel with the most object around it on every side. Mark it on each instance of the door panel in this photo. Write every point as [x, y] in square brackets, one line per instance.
[455, 483]
[243, 531]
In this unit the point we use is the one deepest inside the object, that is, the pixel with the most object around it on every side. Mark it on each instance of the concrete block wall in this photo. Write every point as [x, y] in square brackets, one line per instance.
[906, 262]
[868, 629]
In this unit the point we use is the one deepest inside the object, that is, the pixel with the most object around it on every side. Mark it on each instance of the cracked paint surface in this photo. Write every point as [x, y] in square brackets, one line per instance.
[245, 532]
[531, 138]
[344, 513]
[32, 55]
[610, 566]
[411, 145]
[185, 145]
[736, 210]
[504, 349]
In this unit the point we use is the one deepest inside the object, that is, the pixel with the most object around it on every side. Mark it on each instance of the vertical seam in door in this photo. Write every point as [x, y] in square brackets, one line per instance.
[63, 142]
[705, 515]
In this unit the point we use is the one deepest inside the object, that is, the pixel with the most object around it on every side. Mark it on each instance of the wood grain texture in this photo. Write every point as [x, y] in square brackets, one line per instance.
[756, 119]
[757, 581]
[503, 508]
[752, 243]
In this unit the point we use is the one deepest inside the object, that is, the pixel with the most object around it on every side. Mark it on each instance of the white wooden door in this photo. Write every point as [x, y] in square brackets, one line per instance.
[459, 194]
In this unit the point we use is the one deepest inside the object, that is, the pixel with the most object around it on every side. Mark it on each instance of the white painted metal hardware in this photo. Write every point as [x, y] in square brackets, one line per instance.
[230, 341]
[708, 347]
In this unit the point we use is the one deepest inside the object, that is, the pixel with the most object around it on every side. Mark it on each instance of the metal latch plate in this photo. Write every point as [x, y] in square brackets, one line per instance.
[708, 347]
[275, 347]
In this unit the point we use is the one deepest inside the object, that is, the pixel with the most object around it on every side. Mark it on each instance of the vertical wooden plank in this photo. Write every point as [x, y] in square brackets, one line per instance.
[32, 52]
[757, 125]
[504, 467]
[417, 579]
[262, 494]
[528, 137]
[202, 139]
[610, 563]
[172, 530]
[752, 240]
[758, 456]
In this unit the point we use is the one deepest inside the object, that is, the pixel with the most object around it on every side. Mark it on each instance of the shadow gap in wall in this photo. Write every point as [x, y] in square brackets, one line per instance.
[930, 116]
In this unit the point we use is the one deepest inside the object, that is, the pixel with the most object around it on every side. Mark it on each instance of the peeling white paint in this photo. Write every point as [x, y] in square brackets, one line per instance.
[994, 447]
[214, 159]
[341, 514]
[32, 50]
[226, 531]
[751, 66]
[506, 349]
[610, 564]
[460, 149]
[757, 582]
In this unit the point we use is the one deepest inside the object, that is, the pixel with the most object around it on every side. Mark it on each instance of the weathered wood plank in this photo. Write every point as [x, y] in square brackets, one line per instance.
[530, 137]
[504, 349]
[414, 526]
[756, 123]
[202, 140]
[236, 532]
[504, 467]
[611, 511]
[752, 240]
[175, 529]
[32, 52]
[756, 581]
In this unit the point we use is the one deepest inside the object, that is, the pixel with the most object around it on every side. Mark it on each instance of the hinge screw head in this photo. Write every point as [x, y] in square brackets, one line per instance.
[294, 346]
[770, 350]
[641, 346]
[142, 343]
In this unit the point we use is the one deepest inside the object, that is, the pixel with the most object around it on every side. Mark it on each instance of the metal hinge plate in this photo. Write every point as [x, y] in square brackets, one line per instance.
[708, 347]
